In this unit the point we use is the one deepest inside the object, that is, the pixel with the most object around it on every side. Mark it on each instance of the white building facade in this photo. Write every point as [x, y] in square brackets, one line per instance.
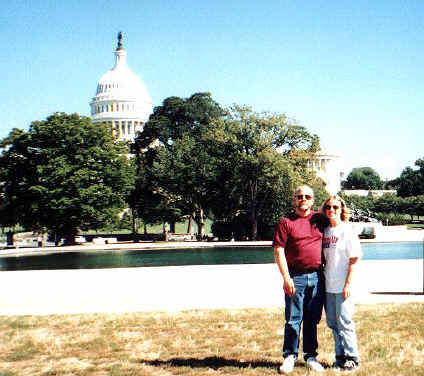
[328, 168]
[121, 99]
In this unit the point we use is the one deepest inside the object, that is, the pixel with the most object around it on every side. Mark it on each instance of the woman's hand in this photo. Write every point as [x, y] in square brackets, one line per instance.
[346, 291]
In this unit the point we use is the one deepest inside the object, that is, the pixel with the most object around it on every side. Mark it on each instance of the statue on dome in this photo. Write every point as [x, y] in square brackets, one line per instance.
[119, 41]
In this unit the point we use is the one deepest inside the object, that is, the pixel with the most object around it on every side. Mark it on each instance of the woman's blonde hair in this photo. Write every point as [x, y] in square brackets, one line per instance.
[344, 215]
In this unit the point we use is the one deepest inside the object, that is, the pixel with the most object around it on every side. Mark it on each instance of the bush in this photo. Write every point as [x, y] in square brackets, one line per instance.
[266, 232]
[222, 230]
[238, 229]
[361, 215]
[392, 219]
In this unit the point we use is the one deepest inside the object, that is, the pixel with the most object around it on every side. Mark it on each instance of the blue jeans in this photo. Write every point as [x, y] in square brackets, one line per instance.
[339, 314]
[306, 305]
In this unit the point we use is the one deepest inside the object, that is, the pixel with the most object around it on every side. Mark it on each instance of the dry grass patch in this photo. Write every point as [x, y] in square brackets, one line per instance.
[198, 342]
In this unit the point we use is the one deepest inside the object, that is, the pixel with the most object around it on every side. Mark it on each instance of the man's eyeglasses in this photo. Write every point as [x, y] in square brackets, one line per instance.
[329, 207]
[304, 197]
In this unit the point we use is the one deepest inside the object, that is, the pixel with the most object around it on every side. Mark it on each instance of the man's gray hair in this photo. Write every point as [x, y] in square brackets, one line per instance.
[303, 187]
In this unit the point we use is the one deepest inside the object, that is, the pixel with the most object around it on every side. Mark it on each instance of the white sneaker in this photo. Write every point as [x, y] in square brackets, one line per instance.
[314, 365]
[350, 365]
[288, 365]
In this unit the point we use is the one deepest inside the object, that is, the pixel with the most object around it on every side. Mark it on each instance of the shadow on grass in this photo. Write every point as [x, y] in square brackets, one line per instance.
[211, 362]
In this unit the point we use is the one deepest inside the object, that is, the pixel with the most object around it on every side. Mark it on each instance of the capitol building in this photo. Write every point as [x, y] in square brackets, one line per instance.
[121, 99]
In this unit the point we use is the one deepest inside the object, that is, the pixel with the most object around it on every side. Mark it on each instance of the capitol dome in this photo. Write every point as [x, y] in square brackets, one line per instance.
[121, 98]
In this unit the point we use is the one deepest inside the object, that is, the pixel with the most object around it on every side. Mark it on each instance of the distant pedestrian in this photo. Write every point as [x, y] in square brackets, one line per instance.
[342, 250]
[297, 250]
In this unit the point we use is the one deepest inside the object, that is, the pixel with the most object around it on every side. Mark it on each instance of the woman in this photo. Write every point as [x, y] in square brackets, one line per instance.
[341, 250]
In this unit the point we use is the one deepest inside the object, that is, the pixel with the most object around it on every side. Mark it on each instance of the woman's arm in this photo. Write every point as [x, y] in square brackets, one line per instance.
[350, 271]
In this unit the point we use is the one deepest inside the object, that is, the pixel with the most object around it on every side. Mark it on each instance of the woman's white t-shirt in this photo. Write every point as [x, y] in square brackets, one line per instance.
[340, 243]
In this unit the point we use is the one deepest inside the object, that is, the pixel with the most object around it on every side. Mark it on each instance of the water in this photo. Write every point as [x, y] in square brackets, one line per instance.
[141, 258]
[393, 251]
[186, 256]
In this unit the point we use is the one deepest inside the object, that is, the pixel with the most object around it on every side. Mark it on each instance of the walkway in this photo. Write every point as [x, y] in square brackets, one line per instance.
[184, 287]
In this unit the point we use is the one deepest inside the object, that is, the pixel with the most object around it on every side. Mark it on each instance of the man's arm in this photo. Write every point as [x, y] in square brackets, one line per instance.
[280, 259]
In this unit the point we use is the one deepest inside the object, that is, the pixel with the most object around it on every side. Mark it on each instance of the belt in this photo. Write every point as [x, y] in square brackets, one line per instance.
[304, 271]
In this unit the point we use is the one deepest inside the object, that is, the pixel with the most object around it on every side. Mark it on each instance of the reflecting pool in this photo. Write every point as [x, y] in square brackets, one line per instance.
[230, 254]
[393, 251]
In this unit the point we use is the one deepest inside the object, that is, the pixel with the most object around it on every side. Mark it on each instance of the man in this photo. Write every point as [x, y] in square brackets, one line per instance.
[297, 250]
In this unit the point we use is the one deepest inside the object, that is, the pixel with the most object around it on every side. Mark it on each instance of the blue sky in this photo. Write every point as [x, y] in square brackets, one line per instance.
[349, 71]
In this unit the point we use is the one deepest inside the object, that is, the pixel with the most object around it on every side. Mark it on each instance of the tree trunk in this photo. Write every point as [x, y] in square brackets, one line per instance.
[69, 238]
[253, 225]
[10, 236]
[145, 228]
[190, 225]
[173, 227]
[253, 214]
[56, 239]
[200, 224]
[134, 224]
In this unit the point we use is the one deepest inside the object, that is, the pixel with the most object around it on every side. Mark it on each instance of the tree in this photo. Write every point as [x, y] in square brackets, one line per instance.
[65, 173]
[14, 167]
[363, 178]
[411, 181]
[262, 158]
[388, 203]
[151, 201]
[176, 118]
[408, 206]
[412, 205]
[361, 208]
[419, 205]
[238, 165]
[172, 159]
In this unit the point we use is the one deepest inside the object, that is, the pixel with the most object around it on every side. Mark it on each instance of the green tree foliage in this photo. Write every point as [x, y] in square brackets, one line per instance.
[149, 200]
[409, 206]
[262, 157]
[412, 205]
[178, 117]
[63, 174]
[389, 208]
[411, 181]
[363, 178]
[237, 165]
[419, 205]
[388, 203]
[174, 169]
[14, 167]
[410, 193]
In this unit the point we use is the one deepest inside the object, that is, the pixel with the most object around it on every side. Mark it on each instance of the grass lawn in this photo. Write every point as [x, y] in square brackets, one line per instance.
[180, 228]
[199, 342]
